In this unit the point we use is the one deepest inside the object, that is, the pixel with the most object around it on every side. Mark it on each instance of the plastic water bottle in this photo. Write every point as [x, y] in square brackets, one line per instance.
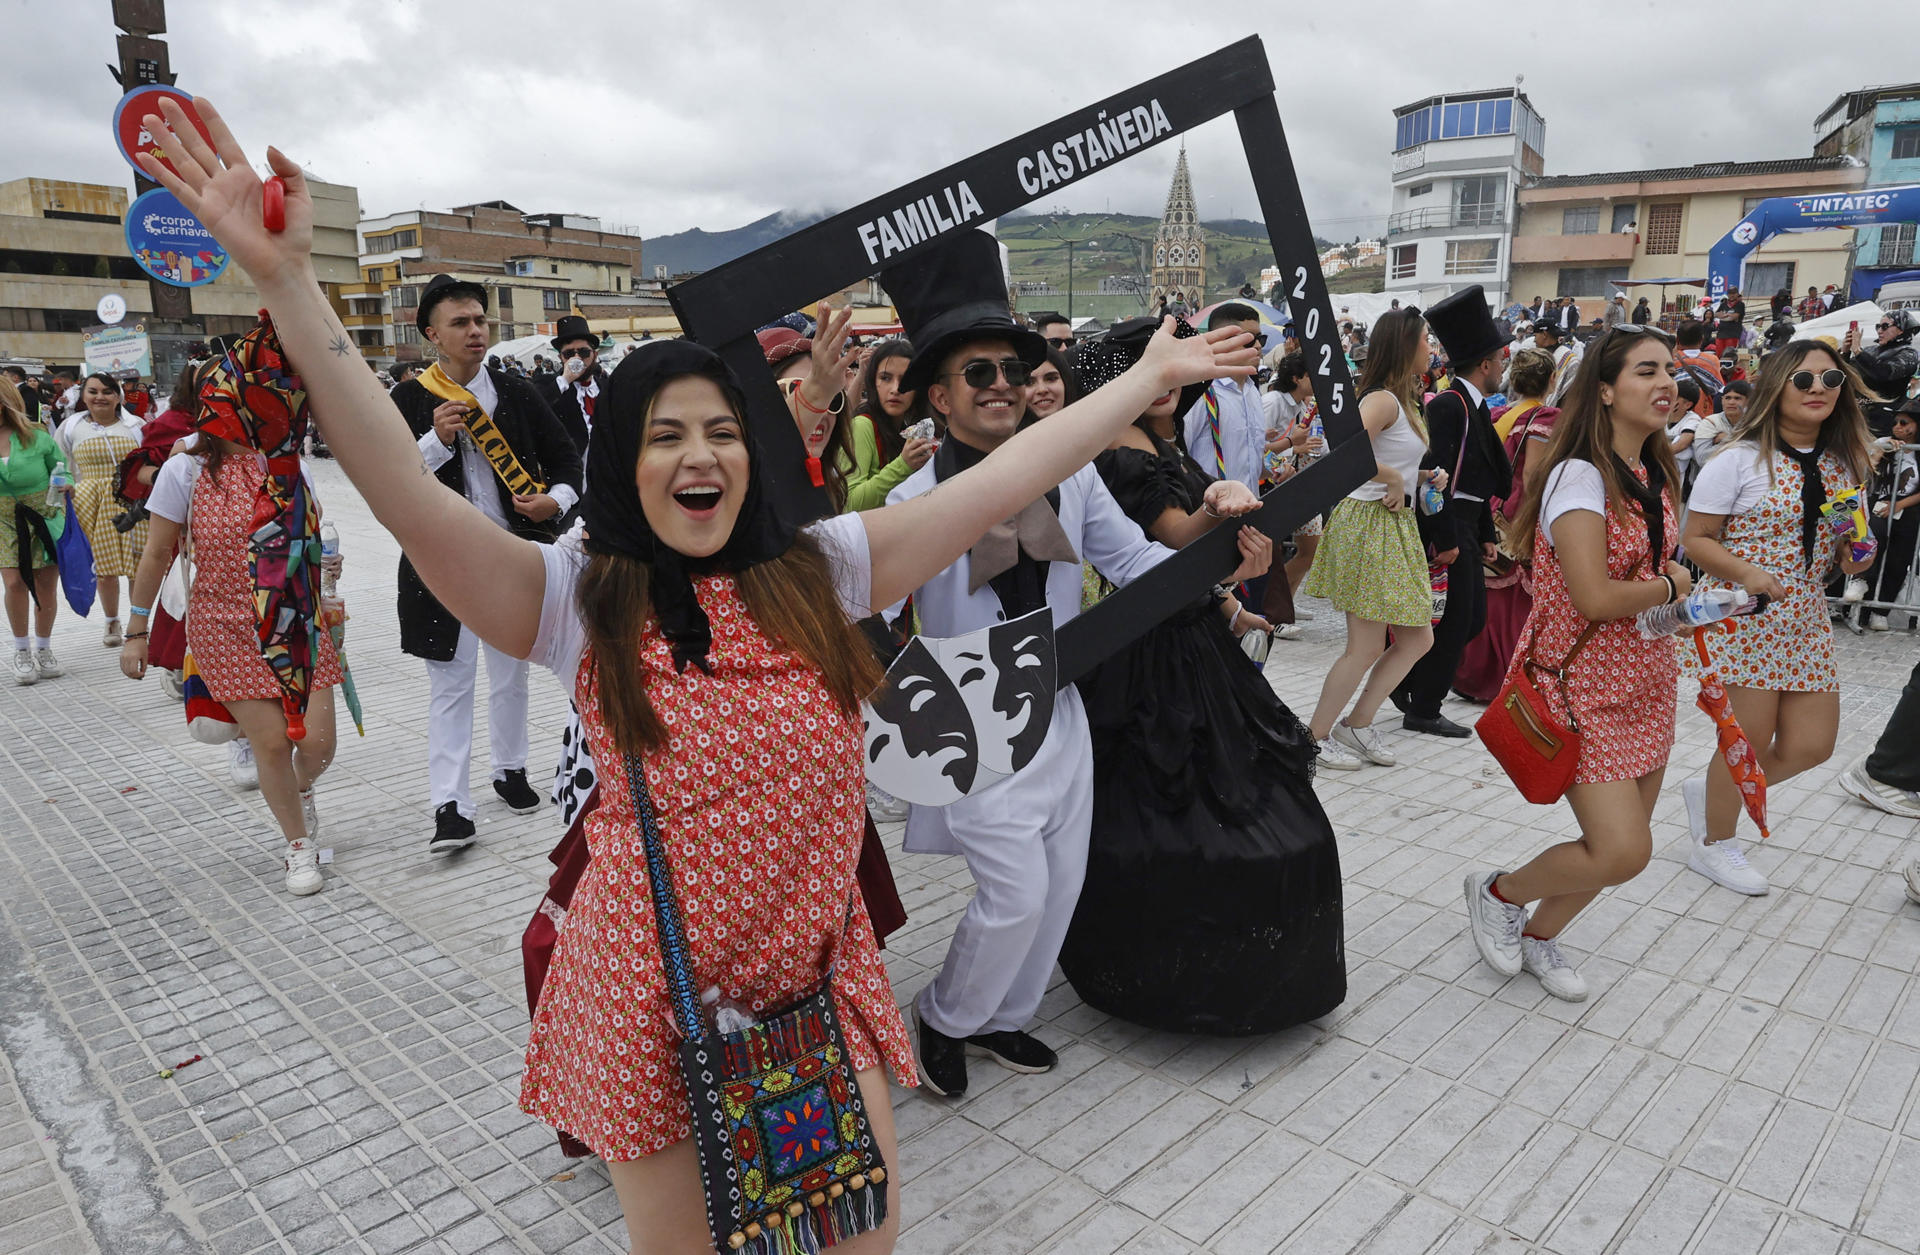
[329, 548]
[1317, 430]
[57, 485]
[1698, 608]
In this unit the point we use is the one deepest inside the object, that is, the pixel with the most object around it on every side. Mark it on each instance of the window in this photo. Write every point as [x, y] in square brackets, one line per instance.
[1404, 258]
[506, 302]
[406, 296]
[1896, 244]
[1473, 257]
[1906, 143]
[1420, 189]
[405, 333]
[556, 299]
[1764, 278]
[1624, 216]
[409, 238]
[1588, 281]
[1480, 200]
[1580, 220]
[617, 281]
[374, 274]
[1662, 229]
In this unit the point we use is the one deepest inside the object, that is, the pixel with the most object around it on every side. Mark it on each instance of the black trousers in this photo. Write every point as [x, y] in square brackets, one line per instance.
[1466, 614]
[1897, 538]
[1894, 759]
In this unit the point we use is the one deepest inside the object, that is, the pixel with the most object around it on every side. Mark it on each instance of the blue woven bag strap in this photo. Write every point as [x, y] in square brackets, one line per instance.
[668, 925]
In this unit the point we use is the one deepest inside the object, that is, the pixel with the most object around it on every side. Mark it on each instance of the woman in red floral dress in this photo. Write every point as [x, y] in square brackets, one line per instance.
[701, 635]
[1754, 520]
[1600, 521]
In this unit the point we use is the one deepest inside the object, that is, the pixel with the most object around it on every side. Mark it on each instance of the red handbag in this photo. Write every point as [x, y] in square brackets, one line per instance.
[1537, 751]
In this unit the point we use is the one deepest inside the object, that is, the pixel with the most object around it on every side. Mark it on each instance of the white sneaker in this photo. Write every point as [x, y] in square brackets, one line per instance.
[111, 638]
[1337, 757]
[1302, 615]
[176, 682]
[886, 808]
[310, 815]
[1877, 622]
[1886, 797]
[1289, 632]
[241, 768]
[1495, 925]
[1913, 881]
[1542, 957]
[1365, 742]
[303, 868]
[24, 672]
[1725, 863]
[1856, 590]
[1694, 793]
[47, 665]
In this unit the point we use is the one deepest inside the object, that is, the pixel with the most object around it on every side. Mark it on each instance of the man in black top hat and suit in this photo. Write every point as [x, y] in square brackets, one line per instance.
[479, 429]
[1024, 836]
[576, 389]
[1461, 441]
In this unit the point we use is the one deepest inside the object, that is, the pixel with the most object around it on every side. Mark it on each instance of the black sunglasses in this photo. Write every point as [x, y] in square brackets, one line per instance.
[1059, 342]
[1883, 326]
[567, 353]
[981, 374]
[1803, 379]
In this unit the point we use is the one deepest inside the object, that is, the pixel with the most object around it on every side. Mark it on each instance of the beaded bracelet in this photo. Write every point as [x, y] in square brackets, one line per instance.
[133, 636]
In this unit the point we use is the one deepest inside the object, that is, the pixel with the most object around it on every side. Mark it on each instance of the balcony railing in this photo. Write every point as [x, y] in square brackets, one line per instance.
[1446, 216]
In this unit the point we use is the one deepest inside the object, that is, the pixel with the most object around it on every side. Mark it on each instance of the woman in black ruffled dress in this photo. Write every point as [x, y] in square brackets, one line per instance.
[1212, 899]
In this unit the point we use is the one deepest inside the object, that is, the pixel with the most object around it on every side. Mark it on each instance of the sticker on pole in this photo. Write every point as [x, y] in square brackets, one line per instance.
[131, 134]
[170, 244]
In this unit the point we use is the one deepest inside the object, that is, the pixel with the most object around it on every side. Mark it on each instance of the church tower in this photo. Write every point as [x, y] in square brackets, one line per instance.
[1179, 248]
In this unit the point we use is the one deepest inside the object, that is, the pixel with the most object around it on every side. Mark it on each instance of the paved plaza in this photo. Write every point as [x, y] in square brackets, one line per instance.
[1745, 1078]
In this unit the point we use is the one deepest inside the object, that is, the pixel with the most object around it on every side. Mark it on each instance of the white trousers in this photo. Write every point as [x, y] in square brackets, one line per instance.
[1025, 841]
[450, 718]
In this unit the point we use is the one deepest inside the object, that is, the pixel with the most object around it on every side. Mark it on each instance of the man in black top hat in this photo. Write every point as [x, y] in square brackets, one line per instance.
[1025, 836]
[1461, 441]
[490, 437]
[576, 389]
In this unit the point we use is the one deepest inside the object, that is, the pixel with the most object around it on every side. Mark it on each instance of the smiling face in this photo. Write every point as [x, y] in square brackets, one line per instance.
[984, 418]
[1815, 405]
[1643, 394]
[694, 468]
[101, 399]
[1047, 392]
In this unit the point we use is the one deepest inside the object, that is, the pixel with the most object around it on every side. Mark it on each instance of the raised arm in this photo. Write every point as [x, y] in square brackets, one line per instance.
[914, 539]
[489, 579]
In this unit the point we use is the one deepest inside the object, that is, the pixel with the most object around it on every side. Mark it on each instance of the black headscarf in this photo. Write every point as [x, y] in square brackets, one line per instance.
[617, 525]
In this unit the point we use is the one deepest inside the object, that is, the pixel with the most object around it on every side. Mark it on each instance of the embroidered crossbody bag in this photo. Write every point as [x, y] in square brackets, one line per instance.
[788, 1159]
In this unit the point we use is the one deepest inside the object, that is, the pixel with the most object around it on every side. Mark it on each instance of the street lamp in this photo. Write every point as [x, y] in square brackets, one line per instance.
[1070, 242]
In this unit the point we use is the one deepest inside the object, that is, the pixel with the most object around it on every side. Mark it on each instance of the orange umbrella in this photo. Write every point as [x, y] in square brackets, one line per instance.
[1735, 749]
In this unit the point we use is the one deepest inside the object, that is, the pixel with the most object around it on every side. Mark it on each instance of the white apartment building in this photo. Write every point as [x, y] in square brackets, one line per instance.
[1458, 162]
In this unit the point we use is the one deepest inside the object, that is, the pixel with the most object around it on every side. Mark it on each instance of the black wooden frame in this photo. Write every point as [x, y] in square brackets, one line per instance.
[723, 307]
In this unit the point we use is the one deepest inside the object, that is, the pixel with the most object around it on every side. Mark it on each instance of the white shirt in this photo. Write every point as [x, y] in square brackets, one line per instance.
[1575, 484]
[1473, 393]
[1732, 484]
[478, 473]
[1683, 458]
[1400, 447]
[171, 497]
[80, 428]
[1243, 432]
[562, 639]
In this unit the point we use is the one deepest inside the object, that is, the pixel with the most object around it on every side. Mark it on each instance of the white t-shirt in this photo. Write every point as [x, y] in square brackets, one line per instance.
[171, 496]
[1683, 458]
[562, 640]
[1732, 483]
[1575, 484]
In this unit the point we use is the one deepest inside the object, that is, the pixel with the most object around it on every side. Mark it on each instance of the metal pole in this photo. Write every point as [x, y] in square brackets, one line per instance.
[1069, 282]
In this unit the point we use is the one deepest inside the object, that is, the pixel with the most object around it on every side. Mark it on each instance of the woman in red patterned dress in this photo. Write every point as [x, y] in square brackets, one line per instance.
[209, 491]
[1598, 524]
[701, 636]
[1754, 520]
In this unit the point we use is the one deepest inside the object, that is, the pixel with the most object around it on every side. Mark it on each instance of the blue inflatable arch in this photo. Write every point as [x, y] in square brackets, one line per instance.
[1824, 211]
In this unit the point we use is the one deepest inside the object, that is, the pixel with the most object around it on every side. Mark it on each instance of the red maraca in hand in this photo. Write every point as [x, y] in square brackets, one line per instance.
[273, 204]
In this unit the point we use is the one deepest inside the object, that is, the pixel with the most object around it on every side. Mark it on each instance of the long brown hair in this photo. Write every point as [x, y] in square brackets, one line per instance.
[1843, 434]
[886, 429]
[13, 414]
[1396, 354]
[186, 390]
[791, 598]
[1584, 432]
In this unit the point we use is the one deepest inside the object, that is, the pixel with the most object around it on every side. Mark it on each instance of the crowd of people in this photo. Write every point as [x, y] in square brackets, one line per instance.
[1537, 489]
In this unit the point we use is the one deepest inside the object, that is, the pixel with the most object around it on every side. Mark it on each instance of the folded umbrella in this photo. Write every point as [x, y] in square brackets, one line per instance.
[1735, 749]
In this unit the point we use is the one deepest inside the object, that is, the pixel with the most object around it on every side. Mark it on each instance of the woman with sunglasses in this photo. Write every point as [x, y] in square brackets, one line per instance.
[694, 609]
[1754, 520]
[1597, 523]
[1886, 367]
[816, 373]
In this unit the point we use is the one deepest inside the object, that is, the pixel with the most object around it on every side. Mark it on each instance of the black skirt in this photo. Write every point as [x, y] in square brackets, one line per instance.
[1212, 901]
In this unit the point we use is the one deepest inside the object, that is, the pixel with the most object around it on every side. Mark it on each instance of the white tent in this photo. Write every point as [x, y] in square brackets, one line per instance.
[1365, 308]
[1835, 323]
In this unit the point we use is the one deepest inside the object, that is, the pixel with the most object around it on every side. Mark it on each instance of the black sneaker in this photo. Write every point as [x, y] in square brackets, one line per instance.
[1017, 1052]
[517, 793]
[942, 1060]
[452, 831]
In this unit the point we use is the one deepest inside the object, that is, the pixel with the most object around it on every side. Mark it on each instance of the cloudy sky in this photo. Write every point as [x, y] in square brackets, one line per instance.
[714, 112]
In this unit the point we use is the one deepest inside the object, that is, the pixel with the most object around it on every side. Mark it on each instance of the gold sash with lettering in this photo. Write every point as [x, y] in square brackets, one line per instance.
[486, 435]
